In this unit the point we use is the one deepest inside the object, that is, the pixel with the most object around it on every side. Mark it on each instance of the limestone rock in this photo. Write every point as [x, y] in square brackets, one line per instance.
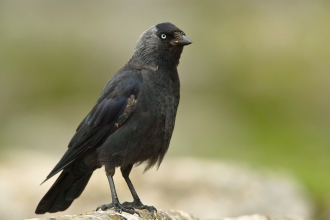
[159, 215]
[112, 215]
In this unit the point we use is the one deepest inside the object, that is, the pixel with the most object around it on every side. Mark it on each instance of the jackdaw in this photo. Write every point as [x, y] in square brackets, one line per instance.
[132, 122]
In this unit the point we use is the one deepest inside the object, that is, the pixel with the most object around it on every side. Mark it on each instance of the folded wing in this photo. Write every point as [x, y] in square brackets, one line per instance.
[101, 121]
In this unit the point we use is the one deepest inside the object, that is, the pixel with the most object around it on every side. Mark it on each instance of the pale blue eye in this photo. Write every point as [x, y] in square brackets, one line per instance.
[163, 36]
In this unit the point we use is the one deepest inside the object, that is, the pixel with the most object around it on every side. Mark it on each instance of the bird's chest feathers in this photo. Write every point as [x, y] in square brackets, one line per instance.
[161, 101]
[164, 93]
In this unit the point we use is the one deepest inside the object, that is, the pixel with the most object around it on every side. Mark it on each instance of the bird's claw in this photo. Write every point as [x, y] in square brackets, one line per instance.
[117, 207]
[138, 205]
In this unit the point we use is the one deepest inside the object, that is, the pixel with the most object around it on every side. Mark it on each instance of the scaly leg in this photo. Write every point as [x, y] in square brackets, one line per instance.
[137, 204]
[115, 202]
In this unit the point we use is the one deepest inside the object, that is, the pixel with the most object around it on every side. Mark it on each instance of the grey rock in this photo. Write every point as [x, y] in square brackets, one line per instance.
[159, 215]
[112, 215]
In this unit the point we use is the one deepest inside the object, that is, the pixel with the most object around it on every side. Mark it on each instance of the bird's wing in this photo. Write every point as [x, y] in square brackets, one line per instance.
[101, 121]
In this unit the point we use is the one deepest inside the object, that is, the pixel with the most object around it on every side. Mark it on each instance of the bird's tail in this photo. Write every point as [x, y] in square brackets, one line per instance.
[68, 186]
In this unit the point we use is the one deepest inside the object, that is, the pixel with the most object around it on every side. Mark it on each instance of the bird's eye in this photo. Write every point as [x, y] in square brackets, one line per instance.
[163, 36]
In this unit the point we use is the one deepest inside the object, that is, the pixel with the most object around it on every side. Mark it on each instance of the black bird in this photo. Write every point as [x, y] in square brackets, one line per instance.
[132, 122]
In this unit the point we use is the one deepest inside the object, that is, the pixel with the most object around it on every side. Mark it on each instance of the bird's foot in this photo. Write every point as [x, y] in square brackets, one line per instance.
[137, 204]
[117, 207]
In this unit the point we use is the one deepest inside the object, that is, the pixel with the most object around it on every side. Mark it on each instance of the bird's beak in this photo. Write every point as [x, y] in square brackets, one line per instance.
[181, 40]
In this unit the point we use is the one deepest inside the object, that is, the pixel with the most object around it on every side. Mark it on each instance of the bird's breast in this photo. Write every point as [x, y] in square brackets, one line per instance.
[163, 99]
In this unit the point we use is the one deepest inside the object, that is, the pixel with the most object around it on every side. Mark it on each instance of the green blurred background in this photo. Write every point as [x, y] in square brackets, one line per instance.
[255, 82]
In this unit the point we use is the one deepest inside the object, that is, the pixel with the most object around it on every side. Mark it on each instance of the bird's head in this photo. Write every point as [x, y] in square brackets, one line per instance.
[161, 44]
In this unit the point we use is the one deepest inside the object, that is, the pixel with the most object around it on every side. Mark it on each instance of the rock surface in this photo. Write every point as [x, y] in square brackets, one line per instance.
[112, 215]
[159, 215]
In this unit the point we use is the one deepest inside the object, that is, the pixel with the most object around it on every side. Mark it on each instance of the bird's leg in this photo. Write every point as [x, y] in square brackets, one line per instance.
[137, 204]
[115, 202]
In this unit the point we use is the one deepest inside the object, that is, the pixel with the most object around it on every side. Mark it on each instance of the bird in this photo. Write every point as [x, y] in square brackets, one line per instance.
[132, 122]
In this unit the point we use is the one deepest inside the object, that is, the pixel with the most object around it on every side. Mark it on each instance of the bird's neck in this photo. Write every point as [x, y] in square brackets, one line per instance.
[165, 69]
[159, 59]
